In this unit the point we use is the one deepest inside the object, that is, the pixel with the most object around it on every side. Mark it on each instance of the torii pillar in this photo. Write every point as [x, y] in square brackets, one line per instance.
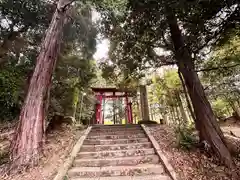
[144, 103]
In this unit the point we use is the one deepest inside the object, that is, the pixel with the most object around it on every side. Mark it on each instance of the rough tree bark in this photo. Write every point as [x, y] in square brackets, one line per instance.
[197, 126]
[181, 108]
[75, 101]
[202, 108]
[26, 147]
[186, 96]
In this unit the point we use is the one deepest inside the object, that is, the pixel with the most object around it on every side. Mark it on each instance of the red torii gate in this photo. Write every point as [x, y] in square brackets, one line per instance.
[103, 93]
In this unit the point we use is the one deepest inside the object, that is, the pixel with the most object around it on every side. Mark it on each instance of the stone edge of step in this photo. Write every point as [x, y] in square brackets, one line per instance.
[124, 139]
[117, 159]
[147, 177]
[116, 151]
[62, 171]
[153, 167]
[168, 167]
[116, 135]
[115, 125]
[148, 144]
[106, 145]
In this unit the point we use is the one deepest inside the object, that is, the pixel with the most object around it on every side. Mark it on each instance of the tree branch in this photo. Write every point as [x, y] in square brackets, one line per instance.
[64, 4]
[217, 68]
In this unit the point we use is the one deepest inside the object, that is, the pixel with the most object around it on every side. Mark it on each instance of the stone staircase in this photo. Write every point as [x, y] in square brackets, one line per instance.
[119, 152]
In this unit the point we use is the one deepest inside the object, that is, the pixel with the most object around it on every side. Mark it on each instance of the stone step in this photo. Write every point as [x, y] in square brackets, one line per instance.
[115, 126]
[116, 130]
[98, 133]
[116, 154]
[120, 128]
[110, 171]
[115, 141]
[147, 177]
[127, 161]
[113, 147]
[123, 136]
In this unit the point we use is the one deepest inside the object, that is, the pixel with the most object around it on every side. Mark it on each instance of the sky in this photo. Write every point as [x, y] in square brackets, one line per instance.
[102, 49]
[102, 44]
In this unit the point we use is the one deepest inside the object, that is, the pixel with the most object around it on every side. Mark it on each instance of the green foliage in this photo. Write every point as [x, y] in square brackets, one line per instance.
[172, 80]
[222, 82]
[23, 22]
[226, 55]
[141, 28]
[72, 76]
[220, 108]
[166, 88]
[185, 138]
[11, 83]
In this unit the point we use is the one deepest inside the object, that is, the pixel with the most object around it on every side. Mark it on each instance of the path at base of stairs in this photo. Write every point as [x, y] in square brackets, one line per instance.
[117, 152]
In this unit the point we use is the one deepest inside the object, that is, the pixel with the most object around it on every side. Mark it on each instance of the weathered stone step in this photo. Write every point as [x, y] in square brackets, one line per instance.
[116, 154]
[98, 133]
[120, 128]
[117, 130]
[127, 161]
[123, 136]
[113, 147]
[115, 126]
[115, 141]
[147, 177]
[108, 171]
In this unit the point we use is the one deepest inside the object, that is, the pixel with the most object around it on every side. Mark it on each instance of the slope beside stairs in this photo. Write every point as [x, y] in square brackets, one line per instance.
[117, 152]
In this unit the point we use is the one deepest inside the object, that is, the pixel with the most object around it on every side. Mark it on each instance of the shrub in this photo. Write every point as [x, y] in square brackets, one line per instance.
[185, 138]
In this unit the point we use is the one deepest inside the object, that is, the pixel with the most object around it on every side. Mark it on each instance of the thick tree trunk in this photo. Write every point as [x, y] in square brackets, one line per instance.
[26, 147]
[197, 126]
[204, 114]
[186, 97]
[75, 101]
[181, 108]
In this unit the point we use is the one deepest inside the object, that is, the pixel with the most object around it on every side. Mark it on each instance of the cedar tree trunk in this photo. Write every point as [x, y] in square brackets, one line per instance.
[207, 122]
[26, 147]
[182, 110]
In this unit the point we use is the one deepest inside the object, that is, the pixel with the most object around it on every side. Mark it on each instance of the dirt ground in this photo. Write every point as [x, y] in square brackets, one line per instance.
[58, 145]
[192, 164]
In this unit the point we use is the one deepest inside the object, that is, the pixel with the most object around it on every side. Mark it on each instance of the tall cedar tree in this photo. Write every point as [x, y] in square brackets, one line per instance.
[207, 123]
[26, 147]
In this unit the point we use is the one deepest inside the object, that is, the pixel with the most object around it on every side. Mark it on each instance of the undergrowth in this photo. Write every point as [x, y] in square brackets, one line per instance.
[185, 138]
